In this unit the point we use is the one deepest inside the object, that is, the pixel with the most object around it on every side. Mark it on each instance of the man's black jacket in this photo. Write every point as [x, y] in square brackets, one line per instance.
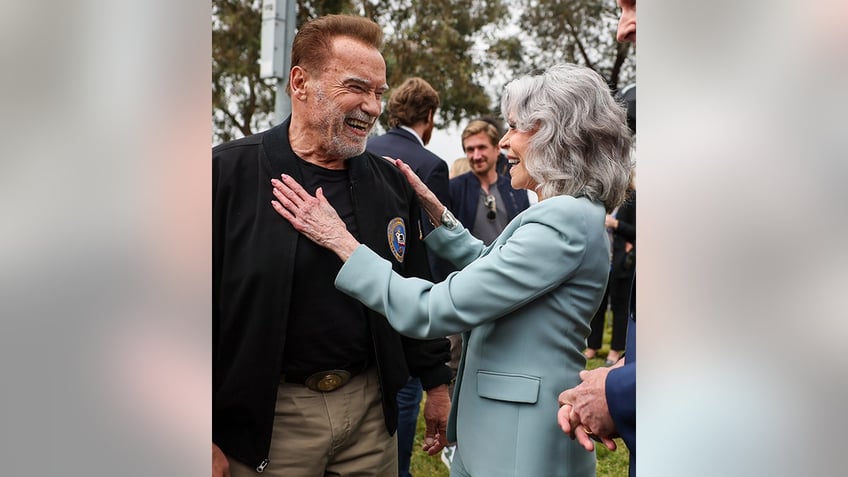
[252, 265]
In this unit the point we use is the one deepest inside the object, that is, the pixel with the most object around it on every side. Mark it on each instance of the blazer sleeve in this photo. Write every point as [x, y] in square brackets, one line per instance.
[512, 273]
[621, 401]
[427, 360]
[621, 383]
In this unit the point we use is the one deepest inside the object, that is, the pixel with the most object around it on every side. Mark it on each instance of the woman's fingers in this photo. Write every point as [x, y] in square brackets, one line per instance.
[284, 193]
[296, 188]
[563, 419]
[284, 201]
[282, 211]
[410, 175]
[291, 190]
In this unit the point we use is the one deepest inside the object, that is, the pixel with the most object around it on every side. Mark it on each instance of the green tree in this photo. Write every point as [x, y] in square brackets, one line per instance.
[574, 31]
[464, 48]
[242, 102]
[439, 40]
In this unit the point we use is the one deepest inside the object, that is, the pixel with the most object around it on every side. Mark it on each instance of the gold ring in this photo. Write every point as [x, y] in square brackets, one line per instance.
[566, 403]
[591, 434]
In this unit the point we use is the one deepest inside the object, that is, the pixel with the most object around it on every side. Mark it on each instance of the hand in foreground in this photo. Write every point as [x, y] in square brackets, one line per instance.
[426, 197]
[314, 217]
[570, 424]
[220, 464]
[583, 410]
[436, 411]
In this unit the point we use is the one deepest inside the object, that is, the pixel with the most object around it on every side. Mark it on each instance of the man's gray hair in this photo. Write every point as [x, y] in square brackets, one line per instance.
[582, 143]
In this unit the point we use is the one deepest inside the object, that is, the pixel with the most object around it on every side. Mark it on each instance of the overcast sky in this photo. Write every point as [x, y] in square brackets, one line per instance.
[446, 143]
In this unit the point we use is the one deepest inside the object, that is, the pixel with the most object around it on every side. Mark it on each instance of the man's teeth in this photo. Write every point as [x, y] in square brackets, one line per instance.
[358, 124]
[512, 162]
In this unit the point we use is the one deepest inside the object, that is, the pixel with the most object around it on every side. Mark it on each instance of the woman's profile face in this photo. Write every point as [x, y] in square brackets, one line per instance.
[515, 143]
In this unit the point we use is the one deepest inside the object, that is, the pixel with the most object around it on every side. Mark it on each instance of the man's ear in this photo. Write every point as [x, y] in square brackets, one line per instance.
[297, 82]
[430, 116]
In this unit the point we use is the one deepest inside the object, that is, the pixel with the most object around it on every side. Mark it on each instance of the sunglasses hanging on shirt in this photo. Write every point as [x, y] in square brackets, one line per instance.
[489, 202]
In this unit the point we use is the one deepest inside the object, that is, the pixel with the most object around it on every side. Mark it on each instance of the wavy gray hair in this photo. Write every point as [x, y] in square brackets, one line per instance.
[581, 144]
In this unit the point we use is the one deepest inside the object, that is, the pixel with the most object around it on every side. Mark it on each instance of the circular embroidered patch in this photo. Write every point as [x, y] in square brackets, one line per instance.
[397, 238]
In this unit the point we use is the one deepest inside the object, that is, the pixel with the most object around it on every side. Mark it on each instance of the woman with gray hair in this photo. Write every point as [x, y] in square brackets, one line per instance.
[523, 304]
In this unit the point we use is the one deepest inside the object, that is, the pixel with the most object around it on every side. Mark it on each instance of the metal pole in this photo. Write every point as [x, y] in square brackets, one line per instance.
[279, 18]
[283, 105]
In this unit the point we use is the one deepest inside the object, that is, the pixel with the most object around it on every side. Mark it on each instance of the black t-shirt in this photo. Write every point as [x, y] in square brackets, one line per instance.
[326, 328]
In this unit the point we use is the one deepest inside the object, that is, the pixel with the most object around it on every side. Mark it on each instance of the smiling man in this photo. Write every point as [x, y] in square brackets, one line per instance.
[483, 200]
[304, 377]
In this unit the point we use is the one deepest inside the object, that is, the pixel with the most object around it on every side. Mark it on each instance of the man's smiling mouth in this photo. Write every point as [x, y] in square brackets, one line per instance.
[358, 124]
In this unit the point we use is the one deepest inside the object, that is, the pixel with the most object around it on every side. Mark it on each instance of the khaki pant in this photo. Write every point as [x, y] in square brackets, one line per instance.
[340, 433]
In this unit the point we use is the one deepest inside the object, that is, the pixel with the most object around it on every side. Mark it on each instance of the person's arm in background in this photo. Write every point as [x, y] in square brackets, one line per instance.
[621, 398]
[427, 360]
[621, 383]
[624, 224]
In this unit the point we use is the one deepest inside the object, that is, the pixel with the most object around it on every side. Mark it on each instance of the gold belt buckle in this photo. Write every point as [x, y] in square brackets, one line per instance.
[327, 381]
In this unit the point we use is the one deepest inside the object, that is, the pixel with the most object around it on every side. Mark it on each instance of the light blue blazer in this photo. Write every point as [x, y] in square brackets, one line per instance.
[523, 305]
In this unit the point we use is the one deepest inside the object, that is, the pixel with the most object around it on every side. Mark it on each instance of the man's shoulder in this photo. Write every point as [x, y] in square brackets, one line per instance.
[245, 142]
[393, 139]
[247, 148]
[392, 136]
[382, 173]
[379, 163]
[462, 179]
[382, 138]
[425, 159]
[505, 185]
[504, 180]
[401, 143]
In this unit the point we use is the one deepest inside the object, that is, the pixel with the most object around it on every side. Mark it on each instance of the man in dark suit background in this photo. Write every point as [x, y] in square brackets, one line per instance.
[412, 108]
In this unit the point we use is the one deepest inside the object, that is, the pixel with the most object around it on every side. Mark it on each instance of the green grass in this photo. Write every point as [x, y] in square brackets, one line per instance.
[610, 464]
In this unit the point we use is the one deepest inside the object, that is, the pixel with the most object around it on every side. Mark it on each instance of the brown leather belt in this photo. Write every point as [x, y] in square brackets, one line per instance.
[325, 381]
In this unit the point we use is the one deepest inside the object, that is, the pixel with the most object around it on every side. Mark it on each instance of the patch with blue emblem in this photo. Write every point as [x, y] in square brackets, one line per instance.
[397, 238]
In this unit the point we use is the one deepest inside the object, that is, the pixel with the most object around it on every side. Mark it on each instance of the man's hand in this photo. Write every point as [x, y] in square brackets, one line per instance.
[220, 464]
[436, 411]
[590, 402]
[570, 423]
